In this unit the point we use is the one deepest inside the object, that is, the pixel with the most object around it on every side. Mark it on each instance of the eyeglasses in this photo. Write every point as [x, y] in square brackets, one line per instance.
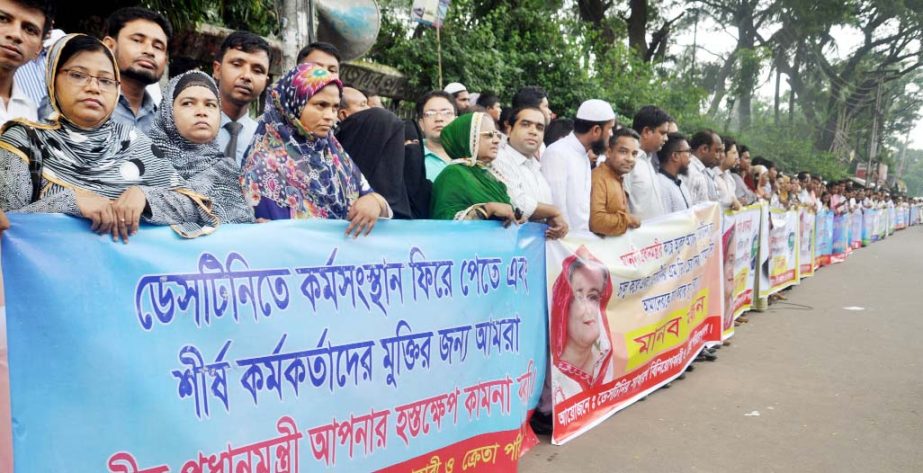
[443, 113]
[494, 135]
[82, 79]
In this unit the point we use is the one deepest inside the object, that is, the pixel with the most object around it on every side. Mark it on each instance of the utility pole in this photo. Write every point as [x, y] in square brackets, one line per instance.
[297, 27]
[900, 167]
[873, 142]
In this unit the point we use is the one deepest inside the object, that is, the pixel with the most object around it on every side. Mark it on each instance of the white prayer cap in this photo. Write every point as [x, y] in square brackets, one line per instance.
[454, 88]
[595, 110]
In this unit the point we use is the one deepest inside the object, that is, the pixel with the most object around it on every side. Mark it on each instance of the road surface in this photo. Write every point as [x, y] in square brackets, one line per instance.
[835, 390]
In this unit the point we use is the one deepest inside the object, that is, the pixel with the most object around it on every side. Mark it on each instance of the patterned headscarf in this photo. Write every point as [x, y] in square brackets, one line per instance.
[312, 176]
[106, 160]
[204, 166]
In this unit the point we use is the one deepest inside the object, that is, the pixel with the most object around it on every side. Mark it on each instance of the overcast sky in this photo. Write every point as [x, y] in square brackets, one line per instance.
[713, 41]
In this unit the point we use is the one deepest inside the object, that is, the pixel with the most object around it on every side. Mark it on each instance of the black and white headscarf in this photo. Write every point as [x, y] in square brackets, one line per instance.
[205, 168]
[105, 160]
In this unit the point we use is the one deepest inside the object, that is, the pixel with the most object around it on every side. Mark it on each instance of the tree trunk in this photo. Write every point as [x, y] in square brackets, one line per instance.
[776, 96]
[749, 64]
[720, 83]
[637, 27]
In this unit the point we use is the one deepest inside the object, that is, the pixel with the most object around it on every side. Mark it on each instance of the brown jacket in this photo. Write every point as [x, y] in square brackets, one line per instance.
[608, 203]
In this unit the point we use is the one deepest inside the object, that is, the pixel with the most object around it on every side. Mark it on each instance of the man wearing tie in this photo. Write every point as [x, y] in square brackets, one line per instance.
[241, 69]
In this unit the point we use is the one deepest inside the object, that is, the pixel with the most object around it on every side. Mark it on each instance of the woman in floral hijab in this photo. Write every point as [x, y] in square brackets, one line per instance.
[296, 169]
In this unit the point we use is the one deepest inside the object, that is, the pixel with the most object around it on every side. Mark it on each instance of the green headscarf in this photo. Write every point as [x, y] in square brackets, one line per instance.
[466, 182]
[461, 138]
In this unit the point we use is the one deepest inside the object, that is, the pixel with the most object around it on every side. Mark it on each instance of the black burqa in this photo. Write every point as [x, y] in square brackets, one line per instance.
[374, 139]
[419, 188]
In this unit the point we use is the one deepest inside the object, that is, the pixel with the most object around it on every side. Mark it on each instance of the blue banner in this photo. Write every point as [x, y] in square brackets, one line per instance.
[824, 237]
[841, 228]
[274, 347]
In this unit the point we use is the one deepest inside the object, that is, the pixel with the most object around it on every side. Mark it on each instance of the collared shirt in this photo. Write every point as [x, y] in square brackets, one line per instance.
[31, 78]
[525, 184]
[674, 193]
[433, 163]
[743, 193]
[567, 168]
[19, 106]
[643, 189]
[726, 184]
[725, 193]
[243, 138]
[145, 118]
[608, 203]
[696, 182]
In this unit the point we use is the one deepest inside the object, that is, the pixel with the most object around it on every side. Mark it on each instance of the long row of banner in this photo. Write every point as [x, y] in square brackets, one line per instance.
[422, 349]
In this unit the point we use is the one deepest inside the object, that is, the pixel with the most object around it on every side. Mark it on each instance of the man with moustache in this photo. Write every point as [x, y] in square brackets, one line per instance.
[23, 26]
[460, 96]
[674, 162]
[522, 171]
[566, 164]
[241, 69]
[138, 38]
[704, 155]
[609, 206]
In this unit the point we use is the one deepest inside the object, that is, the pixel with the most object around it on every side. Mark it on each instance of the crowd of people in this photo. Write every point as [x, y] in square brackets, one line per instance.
[89, 133]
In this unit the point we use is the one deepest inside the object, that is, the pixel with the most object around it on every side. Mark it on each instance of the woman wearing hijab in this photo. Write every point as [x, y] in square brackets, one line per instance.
[296, 168]
[184, 133]
[83, 163]
[470, 188]
[374, 140]
[419, 188]
[581, 347]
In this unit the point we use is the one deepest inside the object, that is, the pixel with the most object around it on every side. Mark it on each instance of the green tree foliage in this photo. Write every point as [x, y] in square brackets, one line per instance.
[502, 46]
[259, 16]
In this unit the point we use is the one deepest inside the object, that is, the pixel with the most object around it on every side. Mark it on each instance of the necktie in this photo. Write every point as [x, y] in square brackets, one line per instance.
[233, 129]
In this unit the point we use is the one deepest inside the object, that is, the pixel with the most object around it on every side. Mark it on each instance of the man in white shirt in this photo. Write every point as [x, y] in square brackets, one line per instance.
[24, 27]
[241, 69]
[522, 173]
[806, 197]
[534, 96]
[566, 164]
[641, 184]
[704, 155]
[674, 162]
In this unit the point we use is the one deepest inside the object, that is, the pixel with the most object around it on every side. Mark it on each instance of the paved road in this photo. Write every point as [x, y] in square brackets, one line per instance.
[836, 390]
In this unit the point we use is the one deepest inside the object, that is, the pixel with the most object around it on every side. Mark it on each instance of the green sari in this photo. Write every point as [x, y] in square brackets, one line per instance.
[460, 187]
[465, 184]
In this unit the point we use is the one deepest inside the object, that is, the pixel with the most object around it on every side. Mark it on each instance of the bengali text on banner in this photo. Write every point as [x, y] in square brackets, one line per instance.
[628, 314]
[281, 347]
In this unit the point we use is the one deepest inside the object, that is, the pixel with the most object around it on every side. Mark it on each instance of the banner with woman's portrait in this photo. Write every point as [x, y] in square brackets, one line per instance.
[806, 246]
[743, 229]
[628, 314]
[783, 249]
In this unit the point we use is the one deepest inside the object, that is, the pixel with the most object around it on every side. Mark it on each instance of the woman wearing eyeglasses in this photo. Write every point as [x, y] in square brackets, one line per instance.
[471, 188]
[83, 163]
